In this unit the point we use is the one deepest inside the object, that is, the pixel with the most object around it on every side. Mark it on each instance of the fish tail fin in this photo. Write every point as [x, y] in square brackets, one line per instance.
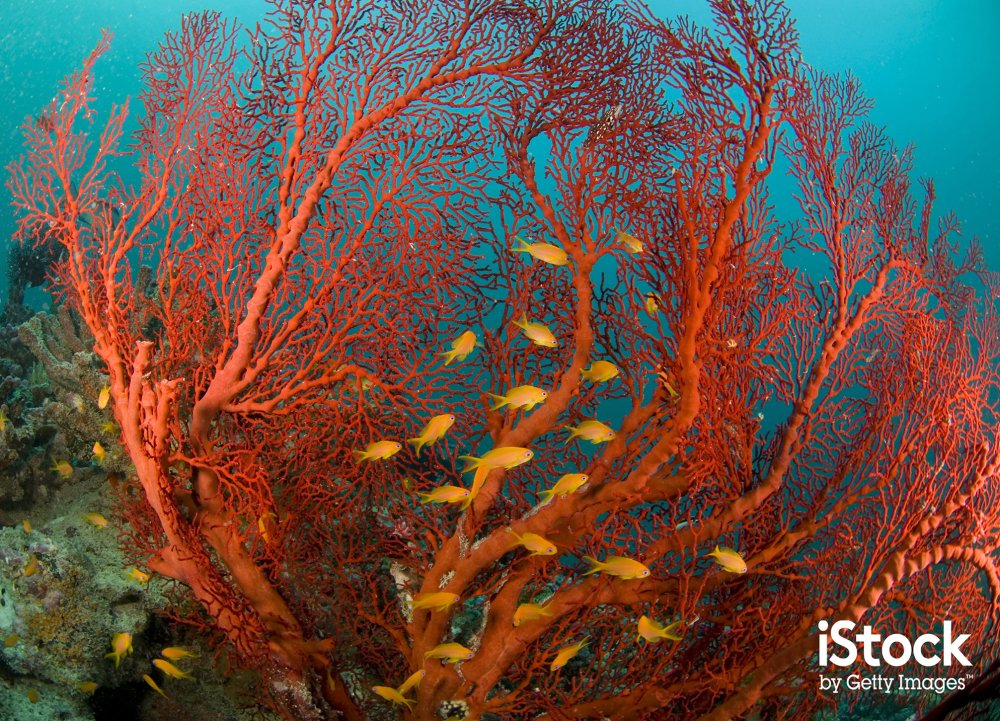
[448, 356]
[573, 433]
[359, 455]
[595, 565]
[546, 495]
[471, 463]
[424, 497]
[499, 401]
[418, 442]
[521, 246]
[522, 322]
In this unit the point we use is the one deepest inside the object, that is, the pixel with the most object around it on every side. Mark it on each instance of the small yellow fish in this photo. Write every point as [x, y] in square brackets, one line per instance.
[592, 430]
[566, 653]
[526, 397]
[433, 432]
[450, 653]
[477, 483]
[624, 568]
[176, 653]
[530, 612]
[103, 397]
[569, 483]
[461, 347]
[152, 684]
[33, 695]
[169, 669]
[435, 600]
[26, 525]
[95, 519]
[652, 304]
[31, 567]
[730, 343]
[600, 372]
[109, 427]
[651, 632]
[263, 522]
[632, 244]
[138, 576]
[393, 695]
[537, 333]
[445, 494]
[414, 679]
[99, 453]
[503, 457]
[86, 686]
[378, 451]
[545, 252]
[729, 559]
[538, 545]
[11, 640]
[3, 421]
[121, 646]
[408, 484]
[63, 468]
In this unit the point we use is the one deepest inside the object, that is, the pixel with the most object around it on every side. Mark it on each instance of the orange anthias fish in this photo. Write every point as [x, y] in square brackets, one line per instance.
[545, 252]
[138, 576]
[433, 432]
[95, 519]
[445, 494]
[176, 653]
[414, 679]
[569, 483]
[103, 397]
[391, 694]
[530, 612]
[600, 372]
[566, 653]
[537, 333]
[378, 451]
[526, 397]
[435, 600]
[538, 545]
[99, 453]
[63, 468]
[461, 347]
[503, 457]
[632, 244]
[591, 430]
[651, 631]
[624, 568]
[152, 684]
[729, 559]
[169, 669]
[450, 653]
[121, 646]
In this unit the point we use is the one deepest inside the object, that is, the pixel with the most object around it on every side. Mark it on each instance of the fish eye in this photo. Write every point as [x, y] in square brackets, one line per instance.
[451, 417]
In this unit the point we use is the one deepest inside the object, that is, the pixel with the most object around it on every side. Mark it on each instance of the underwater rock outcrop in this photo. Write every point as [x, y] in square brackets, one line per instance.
[50, 384]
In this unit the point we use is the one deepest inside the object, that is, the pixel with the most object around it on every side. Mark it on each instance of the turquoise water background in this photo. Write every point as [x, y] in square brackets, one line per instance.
[931, 65]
